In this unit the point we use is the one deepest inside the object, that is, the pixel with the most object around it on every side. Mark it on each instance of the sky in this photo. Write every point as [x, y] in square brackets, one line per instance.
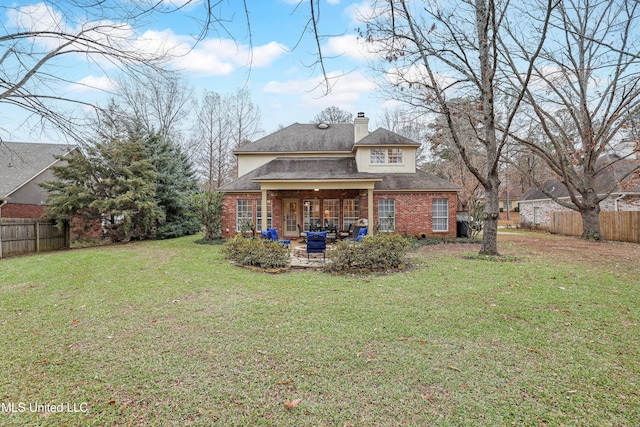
[282, 79]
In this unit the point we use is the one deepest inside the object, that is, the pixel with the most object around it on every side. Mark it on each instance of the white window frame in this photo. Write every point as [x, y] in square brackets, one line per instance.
[310, 210]
[536, 215]
[395, 156]
[259, 215]
[244, 206]
[333, 218]
[387, 215]
[440, 215]
[386, 156]
[350, 212]
[378, 156]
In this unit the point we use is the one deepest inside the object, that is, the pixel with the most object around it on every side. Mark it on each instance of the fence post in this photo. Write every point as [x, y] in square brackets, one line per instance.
[67, 234]
[0, 235]
[37, 236]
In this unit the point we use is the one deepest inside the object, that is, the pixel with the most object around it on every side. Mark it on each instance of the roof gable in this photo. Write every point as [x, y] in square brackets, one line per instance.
[20, 162]
[385, 137]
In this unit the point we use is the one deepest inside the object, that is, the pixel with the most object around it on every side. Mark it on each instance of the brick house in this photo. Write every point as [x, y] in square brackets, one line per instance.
[23, 166]
[336, 174]
[536, 207]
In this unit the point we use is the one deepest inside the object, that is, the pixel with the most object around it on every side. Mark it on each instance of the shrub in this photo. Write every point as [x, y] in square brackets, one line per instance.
[373, 253]
[256, 252]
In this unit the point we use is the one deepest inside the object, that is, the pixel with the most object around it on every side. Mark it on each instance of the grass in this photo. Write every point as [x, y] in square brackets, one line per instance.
[168, 333]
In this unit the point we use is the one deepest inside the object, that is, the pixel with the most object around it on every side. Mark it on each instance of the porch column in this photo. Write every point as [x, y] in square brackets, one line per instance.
[370, 210]
[263, 204]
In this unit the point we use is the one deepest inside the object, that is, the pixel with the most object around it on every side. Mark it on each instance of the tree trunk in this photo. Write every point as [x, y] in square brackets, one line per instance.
[491, 215]
[591, 223]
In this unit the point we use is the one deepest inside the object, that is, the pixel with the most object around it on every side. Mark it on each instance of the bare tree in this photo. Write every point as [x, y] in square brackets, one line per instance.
[333, 114]
[447, 161]
[244, 116]
[224, 123]
[213, 134]
[585, 92]
[438, 51]
[159, 102]
[37, 36]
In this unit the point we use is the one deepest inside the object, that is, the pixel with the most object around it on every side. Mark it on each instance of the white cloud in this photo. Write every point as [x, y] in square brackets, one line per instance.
[350, 46]
[360, 12]
[263, 56]
[90, 83]
[347, 92]
[36, 17]
[214, 57]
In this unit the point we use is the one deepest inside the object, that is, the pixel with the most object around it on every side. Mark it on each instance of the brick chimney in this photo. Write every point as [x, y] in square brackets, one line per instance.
[360, 127]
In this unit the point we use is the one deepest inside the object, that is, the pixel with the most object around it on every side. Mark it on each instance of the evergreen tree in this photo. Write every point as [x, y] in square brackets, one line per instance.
[175, 181]
[113, 181]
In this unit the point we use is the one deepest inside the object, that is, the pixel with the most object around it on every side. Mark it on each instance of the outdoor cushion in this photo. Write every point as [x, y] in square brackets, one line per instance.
[316, 242]
[361, 233]
[274, 236]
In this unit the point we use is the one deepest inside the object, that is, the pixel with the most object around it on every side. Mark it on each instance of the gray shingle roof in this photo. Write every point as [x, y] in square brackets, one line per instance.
[304, 138]
[420, 180]
[607, 178]
[20, 162]
[382, 136]
[335, 168]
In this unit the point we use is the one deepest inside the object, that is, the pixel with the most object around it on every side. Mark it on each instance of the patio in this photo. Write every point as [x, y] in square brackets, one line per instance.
[299, 256]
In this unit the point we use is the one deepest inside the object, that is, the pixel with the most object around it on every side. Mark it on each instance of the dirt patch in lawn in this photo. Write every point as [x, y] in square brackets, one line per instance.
[559, 248]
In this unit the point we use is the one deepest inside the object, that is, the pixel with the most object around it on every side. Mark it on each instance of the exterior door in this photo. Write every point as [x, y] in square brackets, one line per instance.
[290, 220]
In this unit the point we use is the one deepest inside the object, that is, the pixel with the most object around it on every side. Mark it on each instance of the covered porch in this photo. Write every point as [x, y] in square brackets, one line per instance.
[315, 205]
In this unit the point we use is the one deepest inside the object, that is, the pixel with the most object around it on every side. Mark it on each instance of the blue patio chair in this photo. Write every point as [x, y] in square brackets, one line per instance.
[274, 236]
[358, 233]
[361, 233]
[317, 243]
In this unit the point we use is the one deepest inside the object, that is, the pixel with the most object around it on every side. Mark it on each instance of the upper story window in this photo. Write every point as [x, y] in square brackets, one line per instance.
[395, 156]
[378, 156]
[390, 156]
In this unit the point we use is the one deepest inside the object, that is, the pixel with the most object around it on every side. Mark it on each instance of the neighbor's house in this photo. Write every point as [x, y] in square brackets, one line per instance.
[536, 207]
[22, 167]
[336, 174]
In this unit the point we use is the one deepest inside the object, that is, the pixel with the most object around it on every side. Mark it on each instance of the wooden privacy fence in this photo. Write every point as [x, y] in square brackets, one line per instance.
[20, 236]
[623, 226]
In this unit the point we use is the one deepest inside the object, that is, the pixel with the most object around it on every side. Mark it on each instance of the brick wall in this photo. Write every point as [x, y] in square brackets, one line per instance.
[79, 228]
[414, 213]
[413, 210]
[19, 210]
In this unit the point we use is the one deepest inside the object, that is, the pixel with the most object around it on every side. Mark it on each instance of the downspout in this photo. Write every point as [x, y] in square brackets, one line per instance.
[615, 202]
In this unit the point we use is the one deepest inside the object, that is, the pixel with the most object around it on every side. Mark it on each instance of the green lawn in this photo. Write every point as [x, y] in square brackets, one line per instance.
[167, 333]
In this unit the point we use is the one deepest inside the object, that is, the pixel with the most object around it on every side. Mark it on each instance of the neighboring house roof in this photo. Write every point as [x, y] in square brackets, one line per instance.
[304, 138]
[609, 177]
[21, 162]
[382, 136]
[334, 168]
